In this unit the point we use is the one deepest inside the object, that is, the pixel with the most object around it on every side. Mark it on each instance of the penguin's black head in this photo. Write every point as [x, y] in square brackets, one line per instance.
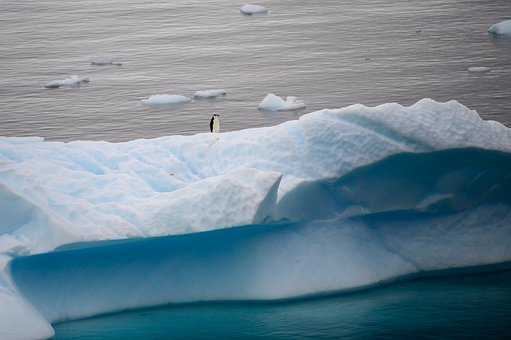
[216, 115]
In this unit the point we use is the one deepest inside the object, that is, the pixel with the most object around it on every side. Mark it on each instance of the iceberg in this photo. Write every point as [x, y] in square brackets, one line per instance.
[501, 28]
[105, 62]
[18, 318]
[298, 209]
[479, 69]
[258, 262]
[73, 81]
[273, 102]
[165, 99]
[209, 93]
[249, 9]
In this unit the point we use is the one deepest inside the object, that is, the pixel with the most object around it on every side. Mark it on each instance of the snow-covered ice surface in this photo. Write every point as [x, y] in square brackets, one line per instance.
[210, 93]
[273, 102]
[166, 99]
[501, 28]
[309, 197]
[479, 69]
[250, 9]
[72, 81]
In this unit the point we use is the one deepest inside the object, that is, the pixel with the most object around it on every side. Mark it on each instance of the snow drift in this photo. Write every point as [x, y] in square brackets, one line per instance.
[302, 208]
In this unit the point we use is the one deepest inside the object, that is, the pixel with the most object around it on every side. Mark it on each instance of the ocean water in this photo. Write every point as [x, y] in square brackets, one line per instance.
[330, 53]
[468, 307]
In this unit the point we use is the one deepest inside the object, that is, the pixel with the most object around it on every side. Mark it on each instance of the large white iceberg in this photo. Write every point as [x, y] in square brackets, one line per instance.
[273, 102]
[72, 81]
[165, 99]
[84, 191]
[297, 209]
[501, 28]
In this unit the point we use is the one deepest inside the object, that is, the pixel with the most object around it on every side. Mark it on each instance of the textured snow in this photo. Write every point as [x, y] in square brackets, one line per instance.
[479, 69]
[165, 99]
[210, 93]
[273, 102]
[253, 9]
[501, 28]
[72, 81]
[301, 171]
[241, 197]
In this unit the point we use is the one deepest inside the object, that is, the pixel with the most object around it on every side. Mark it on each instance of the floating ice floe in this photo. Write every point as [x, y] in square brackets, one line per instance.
[209, 93]
[250, 214]
[253, 9]
[105, 62]
[273, 102]
[166, 99]
[502, 28]
[479, 69]
[73, 81]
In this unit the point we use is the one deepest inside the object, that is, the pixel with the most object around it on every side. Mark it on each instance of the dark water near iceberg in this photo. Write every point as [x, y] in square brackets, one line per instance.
[330, 53]
[436, 308]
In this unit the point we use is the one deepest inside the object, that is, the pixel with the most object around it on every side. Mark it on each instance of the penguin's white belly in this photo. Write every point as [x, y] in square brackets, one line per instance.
[216, 125]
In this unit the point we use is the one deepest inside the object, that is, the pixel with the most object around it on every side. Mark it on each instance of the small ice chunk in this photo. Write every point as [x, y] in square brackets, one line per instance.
[502, 28]
[253, 9]
[105, 62]
[479, 69]
[166, 99]
[72, 81]
[210, 93]
[273, 102]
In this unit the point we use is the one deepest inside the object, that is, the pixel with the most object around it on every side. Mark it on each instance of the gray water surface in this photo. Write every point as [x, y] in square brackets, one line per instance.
[330, 53]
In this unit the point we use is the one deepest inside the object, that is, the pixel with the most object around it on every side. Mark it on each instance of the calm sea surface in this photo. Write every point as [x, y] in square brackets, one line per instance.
[470, 307]
[330, 53]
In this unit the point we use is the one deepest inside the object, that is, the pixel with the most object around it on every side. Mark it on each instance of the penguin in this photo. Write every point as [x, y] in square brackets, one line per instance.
[214, 124]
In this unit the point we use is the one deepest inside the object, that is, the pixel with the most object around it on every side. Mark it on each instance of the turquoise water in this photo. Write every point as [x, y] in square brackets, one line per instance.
[474, 306]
